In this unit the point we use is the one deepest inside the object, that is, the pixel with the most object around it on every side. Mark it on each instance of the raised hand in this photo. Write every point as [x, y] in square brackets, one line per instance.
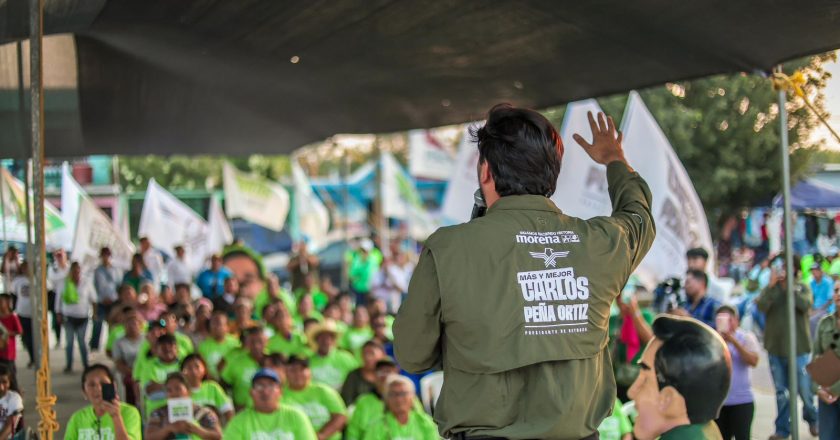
[606, 140]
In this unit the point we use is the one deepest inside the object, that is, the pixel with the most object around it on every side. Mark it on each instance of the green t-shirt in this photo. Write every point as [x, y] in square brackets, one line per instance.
[284, 424]
[332, 369]
[834, 268]
[213, 351]
[616, 425]
[369, 407]
[115, 332]
[296, 345]
[155, 371]
[708, 431]
[362, 270]
[238, 372]
[355, 338]
[84, 424]
[319, 402]
[185, 346]
[211, 394]
[419, 427]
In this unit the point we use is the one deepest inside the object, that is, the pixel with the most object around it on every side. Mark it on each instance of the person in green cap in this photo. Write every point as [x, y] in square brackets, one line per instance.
[683, 382]
[400, 420]
[220, 342]
[241, 365]
[330, 365]
[102, 419]
[514, 305]
[319, 402]
[268, 419]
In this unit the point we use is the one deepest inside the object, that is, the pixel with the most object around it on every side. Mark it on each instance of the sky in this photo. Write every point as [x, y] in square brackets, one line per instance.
[832, 105]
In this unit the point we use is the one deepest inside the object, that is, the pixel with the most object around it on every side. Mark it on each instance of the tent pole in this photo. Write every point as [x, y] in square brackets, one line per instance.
[3, 219]
[47, 424]
[344, 166]
[793, 386]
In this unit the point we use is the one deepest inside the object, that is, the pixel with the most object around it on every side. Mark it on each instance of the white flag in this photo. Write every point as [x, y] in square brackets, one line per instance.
[680, 219]
[312, 218]
[458, 200]
[582, 184]
[94, 230]
[168, 222]
[13, 212]
[71, 196]
[429, 157]
[255, 199]
[401, 200]
[220, 234]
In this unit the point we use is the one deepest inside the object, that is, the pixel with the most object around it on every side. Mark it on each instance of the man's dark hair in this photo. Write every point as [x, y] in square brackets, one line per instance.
[182, 286]
[273, 360]
[177, 376]
[699, 275]
[166, 338]
[298, 360]
[522, 149]
[726, 308]
[695, 361]
[697, 253]
[195, 357]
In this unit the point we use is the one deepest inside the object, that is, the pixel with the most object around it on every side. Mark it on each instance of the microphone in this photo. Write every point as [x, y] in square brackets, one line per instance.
[480, 207]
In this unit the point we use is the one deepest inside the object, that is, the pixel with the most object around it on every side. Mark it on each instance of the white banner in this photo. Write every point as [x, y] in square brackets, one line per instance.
[401, 200]
[94, 230]
[71, 196]
[13, 213]
[680, 219]
[582, 184]
[311, 216]
[430, 157]
[219, 229]
[168, 222]
[458, 200]
[255, 199]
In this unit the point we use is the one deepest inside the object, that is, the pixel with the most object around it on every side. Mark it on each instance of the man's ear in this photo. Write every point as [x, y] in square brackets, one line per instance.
[672, 403]
[484, 174]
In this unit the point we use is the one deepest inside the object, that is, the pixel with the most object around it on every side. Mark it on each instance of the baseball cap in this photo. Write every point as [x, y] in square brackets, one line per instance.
[265, 373]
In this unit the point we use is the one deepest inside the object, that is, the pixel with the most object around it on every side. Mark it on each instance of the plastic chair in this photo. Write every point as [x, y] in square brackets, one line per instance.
[430, 387]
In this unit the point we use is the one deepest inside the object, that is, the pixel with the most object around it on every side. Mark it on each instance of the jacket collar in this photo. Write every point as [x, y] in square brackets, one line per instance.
[524, 202]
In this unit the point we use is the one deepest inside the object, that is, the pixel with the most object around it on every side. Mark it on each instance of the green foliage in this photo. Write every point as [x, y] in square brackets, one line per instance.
[194, 172]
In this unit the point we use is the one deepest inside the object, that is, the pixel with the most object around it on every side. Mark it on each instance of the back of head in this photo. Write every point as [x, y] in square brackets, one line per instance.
[695, 361]
[523, 151]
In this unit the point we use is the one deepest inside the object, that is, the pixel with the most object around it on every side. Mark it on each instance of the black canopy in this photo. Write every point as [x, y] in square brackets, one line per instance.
[217, 76]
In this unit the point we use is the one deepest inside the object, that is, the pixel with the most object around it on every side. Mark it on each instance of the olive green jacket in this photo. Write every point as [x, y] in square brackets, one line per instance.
[773, 302]
[514, 307]
[825, 340]
[708, 431]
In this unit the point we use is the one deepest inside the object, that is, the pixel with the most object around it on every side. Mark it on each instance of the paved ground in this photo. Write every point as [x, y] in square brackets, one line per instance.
[68, 389]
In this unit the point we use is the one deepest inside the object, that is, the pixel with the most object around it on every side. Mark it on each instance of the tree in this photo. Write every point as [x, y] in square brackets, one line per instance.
[194, 172]
[725, 130]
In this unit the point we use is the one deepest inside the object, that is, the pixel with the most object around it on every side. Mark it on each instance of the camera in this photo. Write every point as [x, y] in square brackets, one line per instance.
[668, 295]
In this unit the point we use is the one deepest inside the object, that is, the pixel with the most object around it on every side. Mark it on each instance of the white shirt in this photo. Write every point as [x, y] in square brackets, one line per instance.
[178, 272]
[154, 262]
[56, 277]
[83, 308]
[10, 404]
[23, 307]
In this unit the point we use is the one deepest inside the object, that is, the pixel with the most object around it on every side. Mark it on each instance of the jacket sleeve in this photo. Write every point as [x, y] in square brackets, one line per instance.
[803, 299]
[631, 202]
[768, 298]
[417, 329]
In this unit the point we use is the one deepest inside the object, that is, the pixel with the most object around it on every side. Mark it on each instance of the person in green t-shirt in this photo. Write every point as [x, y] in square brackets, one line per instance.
[364, 264]
[306, 310]
[320, 403]
[310, 287]
[268, 419]
[169, 323]
[205, 391]
[220, 342]
[205, 423]
[152, 376]
[370, 406]
[102, 419]
[286, 339]
[330, 365]
[617, 426]
[240, 366]
[400, 420]
[359, 333]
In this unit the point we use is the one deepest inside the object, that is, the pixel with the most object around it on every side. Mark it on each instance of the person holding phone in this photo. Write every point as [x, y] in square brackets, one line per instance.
[204, 426]
[773, 302]
[106, 416]
[736, 416]
[827, 338]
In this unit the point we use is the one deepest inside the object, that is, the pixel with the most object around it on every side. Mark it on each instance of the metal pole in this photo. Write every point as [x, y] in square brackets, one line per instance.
[793, 388]
[344, 165]
[3, 219]
[47, 424]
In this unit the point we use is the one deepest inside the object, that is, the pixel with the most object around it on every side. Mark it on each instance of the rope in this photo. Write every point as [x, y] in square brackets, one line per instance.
[793, 84]
[45, 400]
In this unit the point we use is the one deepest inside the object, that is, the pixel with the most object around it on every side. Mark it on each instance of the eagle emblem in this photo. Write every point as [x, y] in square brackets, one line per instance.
[549, 256]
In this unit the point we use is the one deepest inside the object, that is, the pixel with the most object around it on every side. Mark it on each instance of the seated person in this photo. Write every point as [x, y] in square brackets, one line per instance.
[11, 404]
[268, 418]
[240, 365]
[683, 382]
[152, 376]
[205, 424]
[400, 420]
[125, 352]
[322, 404]
[102, 419]
[363, 379]
[203, 390]
[218, 344]
[330, 365]
[370, 405]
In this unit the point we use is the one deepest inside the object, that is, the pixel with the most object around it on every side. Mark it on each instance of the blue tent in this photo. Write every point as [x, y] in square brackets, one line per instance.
[811, 194]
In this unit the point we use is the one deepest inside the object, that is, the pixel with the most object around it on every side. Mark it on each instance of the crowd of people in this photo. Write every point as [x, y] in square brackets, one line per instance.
[213, 355]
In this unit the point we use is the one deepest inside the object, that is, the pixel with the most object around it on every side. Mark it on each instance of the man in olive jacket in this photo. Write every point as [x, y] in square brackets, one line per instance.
[514, 306]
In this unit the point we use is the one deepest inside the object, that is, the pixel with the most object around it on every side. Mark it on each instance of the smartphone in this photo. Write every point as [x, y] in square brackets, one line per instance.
[109, 394]
[722, 323]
